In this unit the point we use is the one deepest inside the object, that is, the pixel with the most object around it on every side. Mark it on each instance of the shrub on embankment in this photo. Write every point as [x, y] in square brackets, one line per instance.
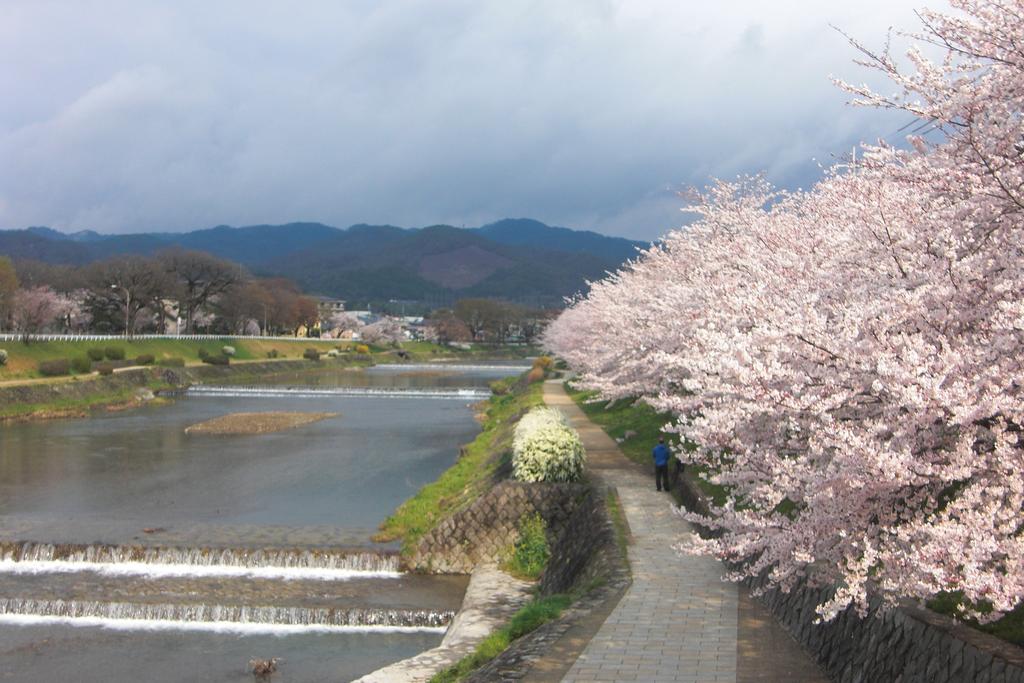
[55, 367]
[546, 448]
[81, 365]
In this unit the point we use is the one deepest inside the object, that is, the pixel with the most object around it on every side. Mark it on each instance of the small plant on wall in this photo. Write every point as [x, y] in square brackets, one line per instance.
[530, 552]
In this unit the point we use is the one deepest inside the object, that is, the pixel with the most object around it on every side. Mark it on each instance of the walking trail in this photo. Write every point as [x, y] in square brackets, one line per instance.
[678, 621]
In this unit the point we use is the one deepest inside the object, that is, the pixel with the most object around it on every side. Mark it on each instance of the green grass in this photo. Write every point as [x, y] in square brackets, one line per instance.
[528, 619]
[463, 481]
[71, 406]
[1010, 627]
[24, 359]
[621, 416]
[531, 553]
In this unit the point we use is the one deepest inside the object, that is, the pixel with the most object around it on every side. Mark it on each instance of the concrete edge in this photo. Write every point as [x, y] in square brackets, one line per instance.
[492, 597]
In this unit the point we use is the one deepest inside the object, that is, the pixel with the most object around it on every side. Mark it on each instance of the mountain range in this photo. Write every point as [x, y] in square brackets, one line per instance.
[515, 259]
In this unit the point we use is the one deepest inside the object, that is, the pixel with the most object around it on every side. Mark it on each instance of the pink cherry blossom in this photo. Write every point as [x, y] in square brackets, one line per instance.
[851, 358]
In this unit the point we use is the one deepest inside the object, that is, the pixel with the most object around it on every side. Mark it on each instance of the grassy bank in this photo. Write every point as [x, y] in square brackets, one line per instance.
[23, 359]
[471, 474]
[79, 406]
[1010, 628]
[618, 417]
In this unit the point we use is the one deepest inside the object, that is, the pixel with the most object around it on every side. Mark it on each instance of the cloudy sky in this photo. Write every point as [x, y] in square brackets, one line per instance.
[124, 116]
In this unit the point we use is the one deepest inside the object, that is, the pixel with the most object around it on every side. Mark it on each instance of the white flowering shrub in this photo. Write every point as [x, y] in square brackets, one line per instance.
[228, 350]
[3, 357]
[333, 353]
[546, 448]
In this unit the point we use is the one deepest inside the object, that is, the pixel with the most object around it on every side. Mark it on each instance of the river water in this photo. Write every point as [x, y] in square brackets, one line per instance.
[125, 541]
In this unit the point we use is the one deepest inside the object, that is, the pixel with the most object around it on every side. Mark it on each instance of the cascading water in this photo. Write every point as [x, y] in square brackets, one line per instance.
[156, 561]
[274, 589]
[267, 616]
[450, 367]
[307, 392]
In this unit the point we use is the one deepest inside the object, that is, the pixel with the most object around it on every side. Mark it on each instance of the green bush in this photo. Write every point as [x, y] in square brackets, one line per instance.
[203, 354]
[105, 368]
[531, 553]
[3, 357]
[172, 362]
[55, 368]
[114, 353]
[144, 359]
[95, 355]
[311, 354]
[81, 365]
[272, 353]
[217, 360]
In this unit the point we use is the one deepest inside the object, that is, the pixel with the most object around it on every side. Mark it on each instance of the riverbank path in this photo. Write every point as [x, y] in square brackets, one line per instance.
[678, 621]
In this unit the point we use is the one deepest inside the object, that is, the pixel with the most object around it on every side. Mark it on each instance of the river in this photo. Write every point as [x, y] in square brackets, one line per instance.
[125, 542]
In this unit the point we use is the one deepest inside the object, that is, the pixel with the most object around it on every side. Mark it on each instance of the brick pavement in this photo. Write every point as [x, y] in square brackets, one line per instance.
[678, 621]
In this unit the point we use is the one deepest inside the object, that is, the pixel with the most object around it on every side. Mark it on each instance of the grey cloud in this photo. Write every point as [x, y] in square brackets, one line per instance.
[125, 116]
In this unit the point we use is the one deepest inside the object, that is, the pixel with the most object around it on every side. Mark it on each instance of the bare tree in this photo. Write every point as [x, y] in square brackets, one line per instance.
[200, 278]
[122, 287]
[8, 286]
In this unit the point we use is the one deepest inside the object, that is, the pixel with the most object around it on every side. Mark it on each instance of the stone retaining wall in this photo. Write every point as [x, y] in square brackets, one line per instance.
[578, 551]
[906, 643]
[484, 531]
[583, 550]
[901, 644]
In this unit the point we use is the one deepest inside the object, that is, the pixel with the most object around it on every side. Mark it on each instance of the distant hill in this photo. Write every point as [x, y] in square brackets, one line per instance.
[516, 259]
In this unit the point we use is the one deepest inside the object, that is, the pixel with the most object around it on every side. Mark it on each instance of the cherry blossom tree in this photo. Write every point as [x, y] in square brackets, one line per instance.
[342, 322]
[384, 331]
[35, 309]
[850, 359]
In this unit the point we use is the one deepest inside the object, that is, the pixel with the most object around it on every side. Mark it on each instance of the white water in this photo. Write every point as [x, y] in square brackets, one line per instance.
[211, 560]
[249, 616]
[512, 369]
[156, 571]
[231, 627]
[305, 392]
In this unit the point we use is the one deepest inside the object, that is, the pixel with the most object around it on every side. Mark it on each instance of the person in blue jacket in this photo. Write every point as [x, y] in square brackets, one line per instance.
[661, 456]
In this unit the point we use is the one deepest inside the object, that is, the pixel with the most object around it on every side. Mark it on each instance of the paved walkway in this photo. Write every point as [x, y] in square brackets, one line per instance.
[678, 621]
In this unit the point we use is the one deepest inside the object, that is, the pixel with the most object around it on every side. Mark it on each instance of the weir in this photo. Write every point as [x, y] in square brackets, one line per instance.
[307, 392]
[90, 612]
[460, 367]
[13, 552]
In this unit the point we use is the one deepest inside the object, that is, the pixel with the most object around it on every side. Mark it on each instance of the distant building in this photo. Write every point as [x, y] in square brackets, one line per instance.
[326, 307]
